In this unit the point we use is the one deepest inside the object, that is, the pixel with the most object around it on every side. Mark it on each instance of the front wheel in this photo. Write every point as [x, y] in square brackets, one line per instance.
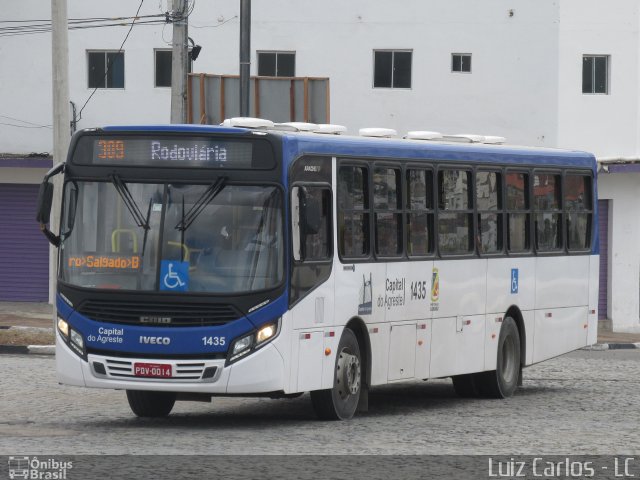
[151, 404]
[503, 381]
[341, 401]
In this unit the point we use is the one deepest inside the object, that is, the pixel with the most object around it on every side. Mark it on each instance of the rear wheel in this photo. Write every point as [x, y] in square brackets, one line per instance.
[151, 404]
[503, 381]
[341, 401]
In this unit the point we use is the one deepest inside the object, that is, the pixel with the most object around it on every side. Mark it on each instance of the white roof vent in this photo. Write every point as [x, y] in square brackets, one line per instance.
[423, 135]
[299, 126]
[464, 138]
[331, 129]
[378, 132]
[493, 140]
[247, 122]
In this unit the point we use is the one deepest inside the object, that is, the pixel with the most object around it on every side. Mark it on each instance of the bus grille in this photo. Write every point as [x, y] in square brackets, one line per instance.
[158, 314]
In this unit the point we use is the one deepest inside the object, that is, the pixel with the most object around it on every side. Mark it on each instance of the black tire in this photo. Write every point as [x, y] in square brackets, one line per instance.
[503, 381]
[151, 404]
[466, 386]
[341, 401]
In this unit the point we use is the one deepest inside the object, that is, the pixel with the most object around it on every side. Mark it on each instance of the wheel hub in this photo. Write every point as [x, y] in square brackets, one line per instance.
[348, 374]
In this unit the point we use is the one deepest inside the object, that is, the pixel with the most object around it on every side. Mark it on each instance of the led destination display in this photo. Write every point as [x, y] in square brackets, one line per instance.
[173, 151]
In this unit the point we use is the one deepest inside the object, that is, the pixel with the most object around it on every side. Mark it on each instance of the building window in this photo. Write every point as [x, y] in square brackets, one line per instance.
[276, 64]
[106, 69]
[163, 65]
[461, 62]
[595, 74]
[392, 68]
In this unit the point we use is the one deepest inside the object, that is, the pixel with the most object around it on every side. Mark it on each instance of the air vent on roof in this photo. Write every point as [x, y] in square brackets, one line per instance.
[423, 135]
[247, 122]
[331, 129]
[297, 126]
[378, 132]
[492, 139]
[464, 138]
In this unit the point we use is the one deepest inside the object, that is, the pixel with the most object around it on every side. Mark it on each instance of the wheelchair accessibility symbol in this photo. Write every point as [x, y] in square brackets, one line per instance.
[174, 276]
[514, 280]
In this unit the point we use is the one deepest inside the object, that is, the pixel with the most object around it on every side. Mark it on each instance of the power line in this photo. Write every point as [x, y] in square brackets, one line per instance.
[35, 125]
[47, 28]
[109, 64]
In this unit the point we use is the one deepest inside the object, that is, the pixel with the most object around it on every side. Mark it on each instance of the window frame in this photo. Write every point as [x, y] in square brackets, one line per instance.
[562, 249]
[393, 51]
[398, 211]
[429, 211]
[277, 53]
[367, 210]
[106, 64]
[461, 55]
[470, 211]
[528, 211]
[499, 211]
[607, 75]
[566, 211]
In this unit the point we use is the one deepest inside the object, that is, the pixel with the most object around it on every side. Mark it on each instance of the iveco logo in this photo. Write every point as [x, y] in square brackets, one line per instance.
[155, 340]
[149, 319]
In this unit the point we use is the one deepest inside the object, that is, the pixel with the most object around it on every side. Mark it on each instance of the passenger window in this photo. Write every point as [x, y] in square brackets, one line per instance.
[578, 207]
[489, 205]
[455, 217]
[388, 215]
[420, 212]
[353, 212]
[518, 216]
[547, 216]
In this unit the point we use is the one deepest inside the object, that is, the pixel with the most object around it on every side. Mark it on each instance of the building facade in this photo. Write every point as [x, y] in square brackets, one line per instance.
[554, 73]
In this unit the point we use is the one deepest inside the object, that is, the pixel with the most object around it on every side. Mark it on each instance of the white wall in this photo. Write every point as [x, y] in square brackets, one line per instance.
[606, 125]
[624, 256]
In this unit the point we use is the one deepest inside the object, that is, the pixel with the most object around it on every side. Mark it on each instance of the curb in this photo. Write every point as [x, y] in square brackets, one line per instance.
[598, 347]
[28, 349]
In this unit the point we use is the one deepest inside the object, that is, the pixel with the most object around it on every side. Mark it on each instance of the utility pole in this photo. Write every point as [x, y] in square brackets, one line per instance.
[61, 120]
[245, 56]
[179, 62]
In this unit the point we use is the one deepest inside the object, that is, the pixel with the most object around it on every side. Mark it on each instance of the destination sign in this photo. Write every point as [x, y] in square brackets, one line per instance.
[174, 151]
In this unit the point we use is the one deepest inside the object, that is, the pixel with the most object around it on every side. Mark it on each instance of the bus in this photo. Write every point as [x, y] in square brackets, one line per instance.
[264, 259]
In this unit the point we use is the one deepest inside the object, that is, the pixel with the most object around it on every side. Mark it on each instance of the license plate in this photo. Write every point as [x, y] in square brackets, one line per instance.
[153, 370]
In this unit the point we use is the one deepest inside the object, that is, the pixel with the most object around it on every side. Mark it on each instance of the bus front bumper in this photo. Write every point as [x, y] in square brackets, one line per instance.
[260, 372]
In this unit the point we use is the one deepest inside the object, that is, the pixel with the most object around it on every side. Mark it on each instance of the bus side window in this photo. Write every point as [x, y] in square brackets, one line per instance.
[548, 213]
[420, 212]
[489, 205]
[353, 212]
[455, 218]
[518, 208]
[312, 223]
[388, 216]
[578, 207]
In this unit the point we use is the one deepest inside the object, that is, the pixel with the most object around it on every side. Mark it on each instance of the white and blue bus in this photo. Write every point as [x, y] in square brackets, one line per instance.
[251, 259]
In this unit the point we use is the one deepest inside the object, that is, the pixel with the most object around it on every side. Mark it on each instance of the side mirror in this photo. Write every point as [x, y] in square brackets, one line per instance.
[45, 200]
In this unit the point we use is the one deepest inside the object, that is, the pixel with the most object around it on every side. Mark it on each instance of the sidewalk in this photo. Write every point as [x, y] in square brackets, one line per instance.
[40, 315]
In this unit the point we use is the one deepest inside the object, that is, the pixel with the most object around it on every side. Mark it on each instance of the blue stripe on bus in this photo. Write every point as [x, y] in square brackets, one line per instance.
[182, 340]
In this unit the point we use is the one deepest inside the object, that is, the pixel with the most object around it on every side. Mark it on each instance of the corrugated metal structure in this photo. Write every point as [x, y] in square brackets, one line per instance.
[212, 98]
[603, 233]
[24, 251]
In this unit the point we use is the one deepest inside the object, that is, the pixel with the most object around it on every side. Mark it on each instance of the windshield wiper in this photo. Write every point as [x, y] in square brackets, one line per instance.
[196, 209]
[132, 206]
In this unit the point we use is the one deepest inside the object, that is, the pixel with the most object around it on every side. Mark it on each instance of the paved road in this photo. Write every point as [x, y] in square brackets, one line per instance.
[585, 402]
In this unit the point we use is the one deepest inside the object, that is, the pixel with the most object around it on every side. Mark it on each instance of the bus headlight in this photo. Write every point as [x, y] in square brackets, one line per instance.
[77, 339]
[63, 327]
[265, 333]
[253, 341]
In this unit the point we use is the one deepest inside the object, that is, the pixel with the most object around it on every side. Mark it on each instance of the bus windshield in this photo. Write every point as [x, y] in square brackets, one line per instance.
[215, 238]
